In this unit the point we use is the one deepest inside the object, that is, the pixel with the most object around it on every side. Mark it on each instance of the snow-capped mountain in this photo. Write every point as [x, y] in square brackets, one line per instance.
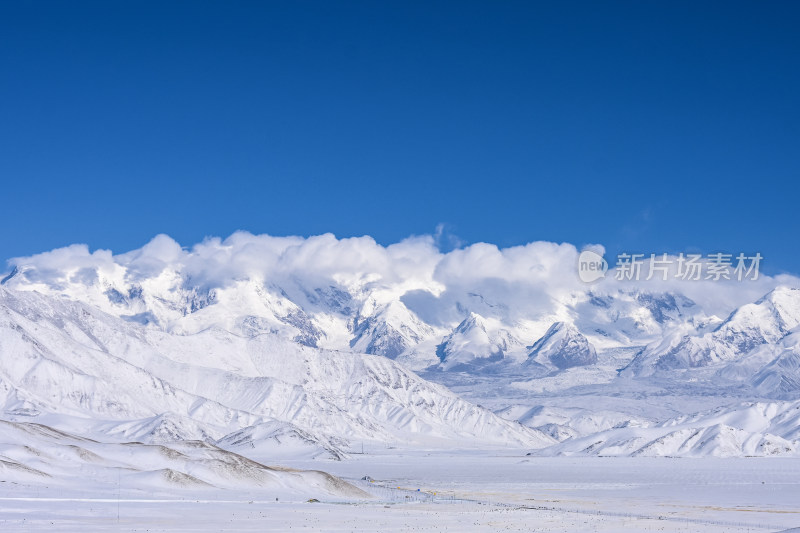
[389, 331]
[765, 322]
[401, 305]
[751, 429]
[475, 342]
[756, 346]
[67, 358]
[562, 346]
[271, 344]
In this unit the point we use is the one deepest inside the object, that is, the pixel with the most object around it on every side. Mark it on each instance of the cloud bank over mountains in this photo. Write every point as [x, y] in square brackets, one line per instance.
[517, 282]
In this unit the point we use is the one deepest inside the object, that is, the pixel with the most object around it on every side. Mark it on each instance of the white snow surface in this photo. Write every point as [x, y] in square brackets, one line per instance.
[479, 381]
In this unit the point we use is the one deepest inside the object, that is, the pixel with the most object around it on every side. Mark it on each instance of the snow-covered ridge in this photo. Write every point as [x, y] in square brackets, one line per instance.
[67, 358]
[751, 429]
[757, 345]
[37, 453]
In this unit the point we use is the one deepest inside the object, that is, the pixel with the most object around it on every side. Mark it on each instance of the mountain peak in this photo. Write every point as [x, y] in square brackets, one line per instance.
[472, 321]
[390, 331]
[476, 341]
[563, 346]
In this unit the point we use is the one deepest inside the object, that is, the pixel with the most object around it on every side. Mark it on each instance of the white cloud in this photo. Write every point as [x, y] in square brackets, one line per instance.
[511, 283]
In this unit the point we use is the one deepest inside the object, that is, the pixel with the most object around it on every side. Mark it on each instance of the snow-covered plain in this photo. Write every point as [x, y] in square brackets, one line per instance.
[445, 491]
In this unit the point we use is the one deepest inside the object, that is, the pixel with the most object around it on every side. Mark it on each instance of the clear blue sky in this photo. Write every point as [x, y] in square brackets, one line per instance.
[644, 126]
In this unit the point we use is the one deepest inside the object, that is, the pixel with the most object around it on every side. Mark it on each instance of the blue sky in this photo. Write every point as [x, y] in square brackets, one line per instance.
[643, 126]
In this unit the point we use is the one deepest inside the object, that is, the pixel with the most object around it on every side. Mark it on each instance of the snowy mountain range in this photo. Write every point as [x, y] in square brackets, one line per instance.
[286, 346]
